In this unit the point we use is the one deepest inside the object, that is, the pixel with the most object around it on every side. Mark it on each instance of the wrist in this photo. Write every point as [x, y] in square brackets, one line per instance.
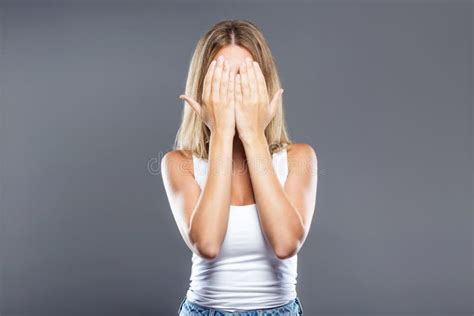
[254, 139]
[222, 135]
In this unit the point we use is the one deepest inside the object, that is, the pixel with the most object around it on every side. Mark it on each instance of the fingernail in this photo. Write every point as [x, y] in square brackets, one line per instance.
[221, 57]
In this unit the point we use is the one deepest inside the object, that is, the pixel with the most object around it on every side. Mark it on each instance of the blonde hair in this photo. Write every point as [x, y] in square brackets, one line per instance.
[193, 134]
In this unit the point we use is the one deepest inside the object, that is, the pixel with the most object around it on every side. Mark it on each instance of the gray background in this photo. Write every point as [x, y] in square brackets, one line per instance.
[89, 105]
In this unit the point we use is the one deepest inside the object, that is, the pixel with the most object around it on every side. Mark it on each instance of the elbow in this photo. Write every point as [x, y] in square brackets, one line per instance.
[290, 246]
[208, 252]
[287, 251]
[204, 248]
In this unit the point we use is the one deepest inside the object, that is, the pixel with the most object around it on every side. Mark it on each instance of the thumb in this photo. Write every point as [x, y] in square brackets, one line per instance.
[194, 105]
[273, 104]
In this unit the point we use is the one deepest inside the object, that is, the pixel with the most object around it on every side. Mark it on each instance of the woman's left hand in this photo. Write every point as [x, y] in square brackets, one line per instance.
[253, 110]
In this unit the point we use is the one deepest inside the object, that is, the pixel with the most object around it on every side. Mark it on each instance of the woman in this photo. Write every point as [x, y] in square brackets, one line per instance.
[242, 194]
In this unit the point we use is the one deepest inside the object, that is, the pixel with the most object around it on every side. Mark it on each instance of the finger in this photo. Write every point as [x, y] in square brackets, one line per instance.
[206, 93]
[216, 79]
[194, 105]
[231, 89]
[261, 84]
[244, 81]
[252, 79]
[238, 90]
[224, 81]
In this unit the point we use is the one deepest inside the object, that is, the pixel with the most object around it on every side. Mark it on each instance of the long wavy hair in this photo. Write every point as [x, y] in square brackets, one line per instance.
[193, 134]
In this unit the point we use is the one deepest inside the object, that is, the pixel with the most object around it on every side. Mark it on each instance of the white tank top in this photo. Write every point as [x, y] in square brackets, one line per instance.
[246, 274]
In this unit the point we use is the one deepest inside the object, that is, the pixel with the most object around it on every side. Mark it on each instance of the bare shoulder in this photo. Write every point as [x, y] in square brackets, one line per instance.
[301, 152]
[301, 157]
[177, 161]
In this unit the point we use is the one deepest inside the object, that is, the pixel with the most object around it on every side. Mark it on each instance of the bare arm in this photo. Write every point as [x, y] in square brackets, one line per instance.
[285, 212]
[202, 217]
[209, 220]
[286, 216]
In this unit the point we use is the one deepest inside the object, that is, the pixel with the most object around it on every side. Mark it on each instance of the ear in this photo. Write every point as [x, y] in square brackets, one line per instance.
[194, 105]
[274, 102]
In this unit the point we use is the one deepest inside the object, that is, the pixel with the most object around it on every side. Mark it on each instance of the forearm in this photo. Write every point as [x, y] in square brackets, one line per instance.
[280, 221]
[210, 216]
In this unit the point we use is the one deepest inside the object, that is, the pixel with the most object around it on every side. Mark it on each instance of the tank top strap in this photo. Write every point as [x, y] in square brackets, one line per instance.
[200, 170]
[279, 161]
[280, 164]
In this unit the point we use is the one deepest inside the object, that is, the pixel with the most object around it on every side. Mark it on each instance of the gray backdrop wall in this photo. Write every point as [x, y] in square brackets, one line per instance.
[89, 105]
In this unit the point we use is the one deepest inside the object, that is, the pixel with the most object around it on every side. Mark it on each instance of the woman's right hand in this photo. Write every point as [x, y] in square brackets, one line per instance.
[218, 99]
